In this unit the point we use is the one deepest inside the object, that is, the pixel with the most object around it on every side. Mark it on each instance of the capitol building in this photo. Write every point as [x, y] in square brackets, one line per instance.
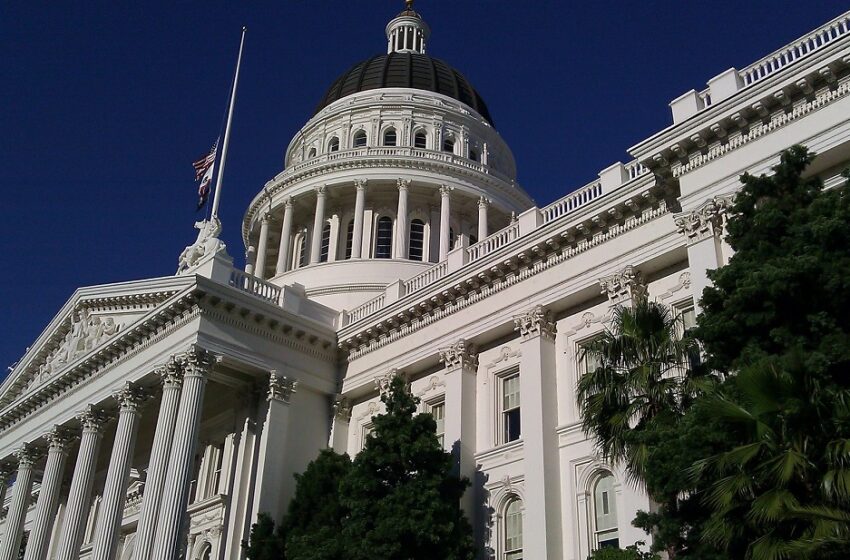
[155, 419]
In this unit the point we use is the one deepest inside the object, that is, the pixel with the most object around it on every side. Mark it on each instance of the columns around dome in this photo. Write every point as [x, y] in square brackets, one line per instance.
[402, 219]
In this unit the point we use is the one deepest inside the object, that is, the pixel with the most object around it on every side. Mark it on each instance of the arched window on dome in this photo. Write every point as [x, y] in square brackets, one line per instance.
[384, 238]
[326, 243]
[349, 239]
[449, 144]
[417, 240]
[390, 137]
[300, 249]
[333, 145]
[605, 529]
[312, 153]
[473, 154]
[359, 139]
[513, 530]
[420, 139]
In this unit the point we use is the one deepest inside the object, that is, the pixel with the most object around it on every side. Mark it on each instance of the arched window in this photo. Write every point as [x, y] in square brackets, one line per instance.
[384, 238]
[420, 139]
[513, 530]
[302, 249]
[449, 144]
[605, 512]
[206, 552]
[417, 240]
[349, 239]
[333, 145]
[390, 137]
[360, 139]
[473, 154]
[326, 243]
[312, 153]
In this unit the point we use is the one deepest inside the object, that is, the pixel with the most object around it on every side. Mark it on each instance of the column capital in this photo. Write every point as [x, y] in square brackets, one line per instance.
[626, 284]
[170, 374]
[59, 439]
[130, 397]
[265, 216]
[459, 355]
[445, 191]
[287, 202]
[342, 408]
[360, 184]
[26, 455]
[281, 388]
[321, 190]
[93, 419]
[198, 362]
[403, 184]
[382, 382]
[483, 202]
[706, 220]
[537, 321]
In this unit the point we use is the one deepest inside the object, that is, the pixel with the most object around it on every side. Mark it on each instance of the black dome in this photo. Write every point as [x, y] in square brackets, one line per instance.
[405, 70]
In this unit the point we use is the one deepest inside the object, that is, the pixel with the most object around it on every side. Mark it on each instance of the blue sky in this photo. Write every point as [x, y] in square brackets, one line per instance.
[106, 104]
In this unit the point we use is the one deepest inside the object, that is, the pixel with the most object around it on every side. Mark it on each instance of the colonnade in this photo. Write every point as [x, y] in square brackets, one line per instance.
[257, 255]
[163, 508]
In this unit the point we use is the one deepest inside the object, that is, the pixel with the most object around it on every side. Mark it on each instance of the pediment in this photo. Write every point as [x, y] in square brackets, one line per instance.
[88, 320]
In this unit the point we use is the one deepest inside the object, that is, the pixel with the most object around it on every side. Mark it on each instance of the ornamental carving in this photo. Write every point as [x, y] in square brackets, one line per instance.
[627, 284]
[92, 419]
[342, 409]
[459, 355]
[403, 184]
[130, 397]
[206, 244]
[707, 220]
[170, 374]
[87, 332]
[198, 362]
[281, 388]
[382, 382]
[535, 322]
[59, 439]
[26, 455]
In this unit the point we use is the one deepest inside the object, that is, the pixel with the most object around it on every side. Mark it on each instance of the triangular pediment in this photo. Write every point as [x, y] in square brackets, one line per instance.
[90, 318]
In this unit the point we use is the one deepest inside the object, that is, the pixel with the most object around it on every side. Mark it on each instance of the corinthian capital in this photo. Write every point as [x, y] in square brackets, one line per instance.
[706, 220]
[535, 322]
[281, 388]
[403, 184]
[130, 397]
[92, 419]
[624, 285]
[59, 439]
[360, 184]
[459, 355]
[26, 455]
[171, 374]
[342, 408]
[198, 362]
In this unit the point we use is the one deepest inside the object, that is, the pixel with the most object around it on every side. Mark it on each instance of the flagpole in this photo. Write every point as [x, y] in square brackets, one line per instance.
[217, 194]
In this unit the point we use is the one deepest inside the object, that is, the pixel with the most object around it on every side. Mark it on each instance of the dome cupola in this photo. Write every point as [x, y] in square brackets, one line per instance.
[407, 32]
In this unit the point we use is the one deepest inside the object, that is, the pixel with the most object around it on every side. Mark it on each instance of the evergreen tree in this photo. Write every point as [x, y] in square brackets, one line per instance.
[402, 498]
[778, 321]
[265, 541]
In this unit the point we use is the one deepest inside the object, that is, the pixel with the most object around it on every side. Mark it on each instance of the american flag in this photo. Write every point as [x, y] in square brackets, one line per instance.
[204, 173]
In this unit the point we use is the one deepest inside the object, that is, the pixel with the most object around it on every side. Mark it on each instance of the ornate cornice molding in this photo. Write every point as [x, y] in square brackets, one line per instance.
[459, 355]
[537, 321]
[626, 284]
[707, 220]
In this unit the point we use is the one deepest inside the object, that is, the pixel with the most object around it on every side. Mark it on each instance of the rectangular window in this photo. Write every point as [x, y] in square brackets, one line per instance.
[590, 362]
[511, 408]
[689, 321]
[438, 411]
[365, 433]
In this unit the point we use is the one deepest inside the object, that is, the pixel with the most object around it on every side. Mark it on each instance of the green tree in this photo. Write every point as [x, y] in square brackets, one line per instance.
[402, 498]
[265, 541]
[632, 552]
[777, 320]
[313, 524]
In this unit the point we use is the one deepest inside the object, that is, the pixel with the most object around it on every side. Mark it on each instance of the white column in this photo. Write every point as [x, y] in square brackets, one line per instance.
[703, 229]
[196, 365]
[58, 440]
[341, 422]
[359, 207]
[318, 224]
[482, 218]
[262, 249]
[129, 398]
[538, 418]
[250, 258]
[285, 238]
[79, 496]
[172, 381]
[271, 462]
[401, 220]
[21, 490]
[445, 217]
[461, 366]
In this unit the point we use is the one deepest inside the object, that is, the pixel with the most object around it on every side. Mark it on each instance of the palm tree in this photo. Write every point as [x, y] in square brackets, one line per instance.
[643, 374]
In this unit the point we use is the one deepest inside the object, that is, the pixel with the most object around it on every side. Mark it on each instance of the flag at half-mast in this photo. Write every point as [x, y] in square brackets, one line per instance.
[204, 173]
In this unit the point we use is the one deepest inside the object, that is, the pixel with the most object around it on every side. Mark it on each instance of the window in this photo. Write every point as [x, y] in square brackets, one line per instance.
[390, 137]
[384, 238]
[438, 411]
[326, 243]
[359, 139]
[510, 408]
[349, 239]
[420, 139]
[473, 154]
[513, 530]
[206, 553]
[689, 321]
[333, 145]
[417, 240]
[689, 318]
[590, 362]
[605, 510]
[365, 433]
[302, 249]
[449, 144]
[312, 153]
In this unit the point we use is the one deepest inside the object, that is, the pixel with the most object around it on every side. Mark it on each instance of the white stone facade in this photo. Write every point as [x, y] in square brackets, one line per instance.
[155, 419]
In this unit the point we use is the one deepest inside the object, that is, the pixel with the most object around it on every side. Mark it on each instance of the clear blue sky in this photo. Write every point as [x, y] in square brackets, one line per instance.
[106, 104]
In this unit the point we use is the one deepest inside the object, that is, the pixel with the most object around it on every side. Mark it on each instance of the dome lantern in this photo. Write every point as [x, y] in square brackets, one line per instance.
[407, 32]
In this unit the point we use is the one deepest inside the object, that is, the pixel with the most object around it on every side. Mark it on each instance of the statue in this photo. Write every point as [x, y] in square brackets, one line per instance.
[207, 243]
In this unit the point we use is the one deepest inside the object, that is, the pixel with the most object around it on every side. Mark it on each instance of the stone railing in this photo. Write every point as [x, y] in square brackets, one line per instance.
[572, 201]
[254, 286]
[365, 309]
[425, 278]
[493, 242]
[816, 40]
[635, 169]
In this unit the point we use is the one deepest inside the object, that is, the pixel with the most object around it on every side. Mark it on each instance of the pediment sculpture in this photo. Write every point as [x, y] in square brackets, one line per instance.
[87, 332]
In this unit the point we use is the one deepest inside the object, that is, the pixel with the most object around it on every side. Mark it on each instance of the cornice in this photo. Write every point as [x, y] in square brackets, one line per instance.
[476, 283]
